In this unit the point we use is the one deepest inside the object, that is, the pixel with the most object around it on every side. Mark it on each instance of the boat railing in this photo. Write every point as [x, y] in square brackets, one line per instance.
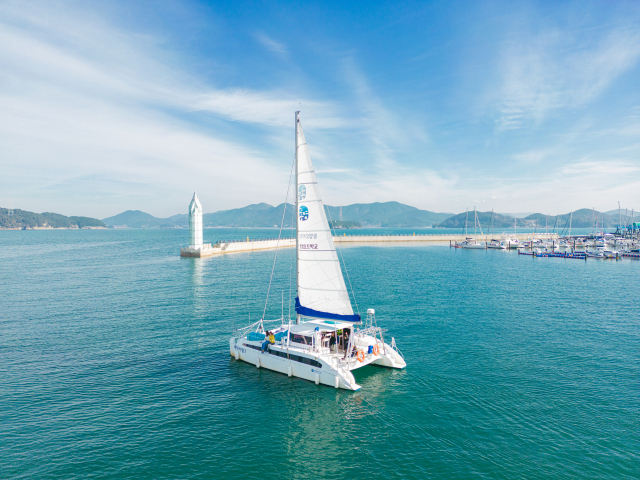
[395, 347]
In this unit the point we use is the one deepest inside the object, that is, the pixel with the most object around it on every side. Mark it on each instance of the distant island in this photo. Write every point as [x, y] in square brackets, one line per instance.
[23, 220]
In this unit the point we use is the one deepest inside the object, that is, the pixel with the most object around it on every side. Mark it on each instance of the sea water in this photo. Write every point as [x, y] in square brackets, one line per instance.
[114, 363]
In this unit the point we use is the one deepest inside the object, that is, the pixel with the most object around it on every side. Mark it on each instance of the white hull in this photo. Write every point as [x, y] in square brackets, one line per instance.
[315, 365]
[472, 246]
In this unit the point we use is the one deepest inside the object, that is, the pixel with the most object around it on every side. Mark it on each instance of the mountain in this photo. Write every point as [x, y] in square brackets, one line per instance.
[389, 214]
[499, 221]
[134, 219]
[24, 219]
[256, 215]
[625, 212]
[583, 218]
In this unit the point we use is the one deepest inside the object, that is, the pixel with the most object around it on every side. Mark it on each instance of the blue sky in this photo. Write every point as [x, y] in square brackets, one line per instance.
[514, 106]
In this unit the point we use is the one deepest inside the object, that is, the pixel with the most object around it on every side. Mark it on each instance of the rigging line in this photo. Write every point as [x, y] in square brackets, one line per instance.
[293, 257]
[339, 249]
[278, 242]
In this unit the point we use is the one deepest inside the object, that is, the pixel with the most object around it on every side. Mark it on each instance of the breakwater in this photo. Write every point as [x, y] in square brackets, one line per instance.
[237, 246]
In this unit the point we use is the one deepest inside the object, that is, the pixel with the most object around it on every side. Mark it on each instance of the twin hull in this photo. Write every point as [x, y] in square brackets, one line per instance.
[324, 369]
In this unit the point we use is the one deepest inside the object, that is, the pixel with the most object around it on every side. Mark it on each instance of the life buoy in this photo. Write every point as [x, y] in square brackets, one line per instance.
[376, 350]
[360, 356]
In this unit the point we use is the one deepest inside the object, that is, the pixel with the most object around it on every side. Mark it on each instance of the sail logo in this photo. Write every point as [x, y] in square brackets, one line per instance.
[302, 192]
[304, 213]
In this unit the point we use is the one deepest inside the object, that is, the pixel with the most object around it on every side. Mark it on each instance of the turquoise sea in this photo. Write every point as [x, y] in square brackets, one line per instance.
[114, 363]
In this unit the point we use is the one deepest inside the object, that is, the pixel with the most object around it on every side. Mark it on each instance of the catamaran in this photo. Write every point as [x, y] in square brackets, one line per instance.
[327, 340]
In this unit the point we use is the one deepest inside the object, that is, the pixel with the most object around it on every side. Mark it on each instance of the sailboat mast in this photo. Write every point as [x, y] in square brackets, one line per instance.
[466, 219]
[297, 221]
[475, 222]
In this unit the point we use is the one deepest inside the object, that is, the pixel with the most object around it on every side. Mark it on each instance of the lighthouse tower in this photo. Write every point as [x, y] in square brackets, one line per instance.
[195, 224]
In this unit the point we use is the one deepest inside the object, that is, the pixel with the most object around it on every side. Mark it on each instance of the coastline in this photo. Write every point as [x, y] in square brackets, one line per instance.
[54, 228]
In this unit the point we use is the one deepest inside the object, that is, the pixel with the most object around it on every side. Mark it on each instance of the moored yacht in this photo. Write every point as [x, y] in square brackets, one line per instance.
[471, 243]
[326, 341]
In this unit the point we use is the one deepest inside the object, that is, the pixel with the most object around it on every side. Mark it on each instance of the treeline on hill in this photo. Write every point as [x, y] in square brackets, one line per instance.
[346, 224]
[583, 218]
[24, 219]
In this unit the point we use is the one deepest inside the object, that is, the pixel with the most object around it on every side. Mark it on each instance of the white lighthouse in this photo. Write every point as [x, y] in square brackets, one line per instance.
[195, 224]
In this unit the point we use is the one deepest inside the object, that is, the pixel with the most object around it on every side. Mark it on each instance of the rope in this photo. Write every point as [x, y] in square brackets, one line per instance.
[278, 243]
[293, 257]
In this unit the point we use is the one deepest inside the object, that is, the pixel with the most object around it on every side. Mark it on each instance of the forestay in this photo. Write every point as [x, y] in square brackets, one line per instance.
[322, 292]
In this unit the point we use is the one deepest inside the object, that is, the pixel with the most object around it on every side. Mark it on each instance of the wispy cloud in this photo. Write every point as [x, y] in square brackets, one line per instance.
[268, 108]
[553, 70]
[272, 45]
[75, 111]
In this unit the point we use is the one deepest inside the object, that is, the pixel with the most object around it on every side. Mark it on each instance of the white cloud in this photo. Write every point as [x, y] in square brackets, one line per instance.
[84, 102]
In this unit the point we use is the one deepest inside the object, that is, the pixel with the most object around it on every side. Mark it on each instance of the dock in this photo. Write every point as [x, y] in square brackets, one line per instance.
[238, 246]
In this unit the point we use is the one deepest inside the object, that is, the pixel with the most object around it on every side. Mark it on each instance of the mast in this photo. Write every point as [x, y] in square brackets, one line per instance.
[491, 224]
[546, 227]
[466, 219]
[297, 220]
[475, 223]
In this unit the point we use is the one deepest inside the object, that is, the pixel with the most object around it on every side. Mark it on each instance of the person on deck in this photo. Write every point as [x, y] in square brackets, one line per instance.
[272, 338]
[267, 341]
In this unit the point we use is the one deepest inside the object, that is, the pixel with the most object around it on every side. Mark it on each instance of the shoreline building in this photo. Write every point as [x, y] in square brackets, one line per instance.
[196, 246]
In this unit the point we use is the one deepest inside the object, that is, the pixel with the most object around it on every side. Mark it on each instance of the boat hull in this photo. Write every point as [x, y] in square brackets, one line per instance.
[242, 349]
[326, 370]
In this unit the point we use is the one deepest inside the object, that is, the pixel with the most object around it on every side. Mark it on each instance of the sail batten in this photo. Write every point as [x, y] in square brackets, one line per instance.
[322, 292]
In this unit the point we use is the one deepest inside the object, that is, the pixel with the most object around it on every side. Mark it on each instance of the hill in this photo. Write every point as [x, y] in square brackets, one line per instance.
[25, 219]
[625, 212]
[583, 218]
[389, 214]
[499, 221]
[133, 218]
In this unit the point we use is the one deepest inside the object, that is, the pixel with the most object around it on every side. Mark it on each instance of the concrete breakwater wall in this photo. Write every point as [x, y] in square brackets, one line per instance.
[222, 248]
[433, 238]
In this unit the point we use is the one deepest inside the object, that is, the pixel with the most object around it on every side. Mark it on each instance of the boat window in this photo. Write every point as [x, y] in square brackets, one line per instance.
[301, 339]
[295, 358]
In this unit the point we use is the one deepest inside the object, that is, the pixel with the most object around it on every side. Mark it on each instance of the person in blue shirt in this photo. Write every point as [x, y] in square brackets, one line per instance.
[268, 339]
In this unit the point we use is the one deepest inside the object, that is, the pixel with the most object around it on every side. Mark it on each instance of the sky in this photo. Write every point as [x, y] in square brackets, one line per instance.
[511, 106]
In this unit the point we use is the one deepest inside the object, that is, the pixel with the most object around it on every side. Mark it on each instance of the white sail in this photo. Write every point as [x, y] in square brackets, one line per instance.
[321, 286]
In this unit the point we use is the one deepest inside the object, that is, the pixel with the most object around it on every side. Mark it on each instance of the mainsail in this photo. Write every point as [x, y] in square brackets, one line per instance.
[322, 292]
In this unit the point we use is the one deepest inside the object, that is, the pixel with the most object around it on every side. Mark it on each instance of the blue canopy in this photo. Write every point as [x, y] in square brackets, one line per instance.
[310, 312]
